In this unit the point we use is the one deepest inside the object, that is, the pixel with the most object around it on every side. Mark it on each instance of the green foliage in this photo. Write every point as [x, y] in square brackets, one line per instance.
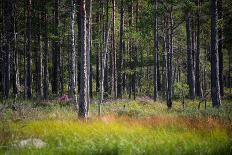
[180, 90]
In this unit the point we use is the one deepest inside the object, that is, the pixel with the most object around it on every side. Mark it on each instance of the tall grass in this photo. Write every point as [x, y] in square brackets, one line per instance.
[126, 128]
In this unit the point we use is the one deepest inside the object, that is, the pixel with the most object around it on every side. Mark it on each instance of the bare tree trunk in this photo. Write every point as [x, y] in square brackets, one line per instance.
[113, 55]
[197, 73]
[220, 47]
[170, 61]
[38, 60]
[15, 57]
[73, 54]
[56, 50]
[190, 73]
[45, 57]
[215, 86]
[120, 59]
[83, 109]
[155, 52]
[29, 51]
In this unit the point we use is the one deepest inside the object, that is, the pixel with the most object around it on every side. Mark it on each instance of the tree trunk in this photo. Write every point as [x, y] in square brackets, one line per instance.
[29, 51]
[38, 60]
[155, 52]
[215, 87]
[197, 69]
[56, 50]
[220, 47]
[73, 54]
[170, 61]
[45, 57]
[113, 55]
[83, 110]
[121, 44]
[190, 73]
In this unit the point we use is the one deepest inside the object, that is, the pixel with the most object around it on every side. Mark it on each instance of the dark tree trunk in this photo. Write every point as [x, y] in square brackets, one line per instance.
[83, 110]
[38, 60]
[8, 37]
[215, 87]
[190, 72]
[56, 50]
[220, 47]
[120, 58]
[29, 51]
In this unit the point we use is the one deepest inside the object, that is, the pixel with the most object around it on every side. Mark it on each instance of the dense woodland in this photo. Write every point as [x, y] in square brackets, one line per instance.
[120, 77]
[108, 49]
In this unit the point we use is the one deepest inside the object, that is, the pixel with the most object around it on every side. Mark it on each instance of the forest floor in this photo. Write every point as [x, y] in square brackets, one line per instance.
[126, 127]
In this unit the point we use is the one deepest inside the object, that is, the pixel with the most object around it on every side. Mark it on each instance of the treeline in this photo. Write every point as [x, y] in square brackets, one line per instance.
[109, 49]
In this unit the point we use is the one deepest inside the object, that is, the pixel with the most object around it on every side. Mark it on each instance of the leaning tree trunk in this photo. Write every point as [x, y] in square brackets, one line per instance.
[83, 110]
[190, 74]
[215, 87]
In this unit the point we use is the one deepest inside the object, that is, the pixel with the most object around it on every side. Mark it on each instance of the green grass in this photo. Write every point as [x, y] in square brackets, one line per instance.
[129, 127]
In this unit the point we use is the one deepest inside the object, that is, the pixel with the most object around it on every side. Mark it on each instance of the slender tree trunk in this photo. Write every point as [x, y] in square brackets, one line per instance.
[155, 52]
[73, 54]
[190, 73]
[164, 59]
[113, 55]
[29, 51]
[120, 59]
[45, 57]
[215, 87]
[170, 61]
[198, 78]
[15, 57]
[38, 60]
[56, 50]
[8, 37]
[220, 47]
[83, 110]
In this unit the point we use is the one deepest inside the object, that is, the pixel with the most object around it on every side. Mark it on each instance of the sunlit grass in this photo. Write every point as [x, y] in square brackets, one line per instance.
[133, 127]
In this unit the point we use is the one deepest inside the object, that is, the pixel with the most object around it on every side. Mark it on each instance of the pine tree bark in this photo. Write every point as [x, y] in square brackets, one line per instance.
[215, 86]
[220, 47]
[73, 54]
[56, 50]
[190, 72]
[197, 69]
[83, 110]
[121, 44]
